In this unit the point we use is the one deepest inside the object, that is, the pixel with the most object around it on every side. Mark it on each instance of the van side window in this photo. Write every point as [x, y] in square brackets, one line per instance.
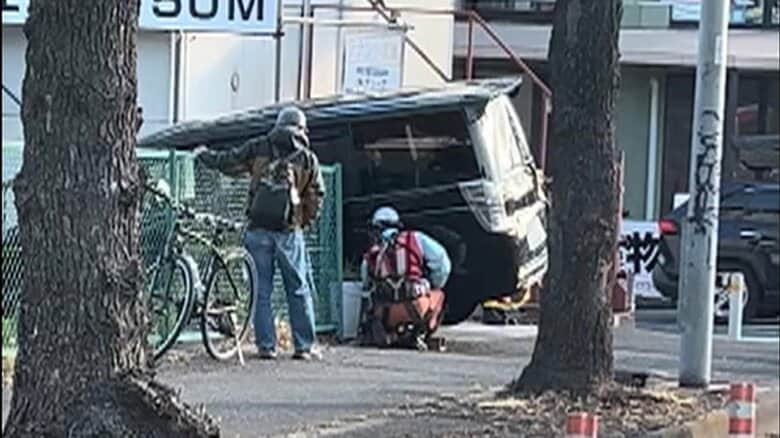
[415, 151]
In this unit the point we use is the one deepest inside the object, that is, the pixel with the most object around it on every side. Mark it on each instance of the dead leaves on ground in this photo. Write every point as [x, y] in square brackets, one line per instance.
[622, 412]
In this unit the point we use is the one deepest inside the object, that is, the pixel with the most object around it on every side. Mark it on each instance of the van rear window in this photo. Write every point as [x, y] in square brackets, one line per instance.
[419, 150]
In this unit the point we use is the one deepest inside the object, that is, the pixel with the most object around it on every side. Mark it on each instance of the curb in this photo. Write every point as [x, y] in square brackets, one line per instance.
[716, 424]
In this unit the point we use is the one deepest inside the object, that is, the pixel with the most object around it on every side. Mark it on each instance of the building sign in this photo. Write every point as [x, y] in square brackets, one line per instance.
[372, 62]
[240, 16]
[742, 11]
[639, 254]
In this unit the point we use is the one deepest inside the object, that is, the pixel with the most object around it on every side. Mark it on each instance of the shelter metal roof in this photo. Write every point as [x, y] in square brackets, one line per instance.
[231, 128]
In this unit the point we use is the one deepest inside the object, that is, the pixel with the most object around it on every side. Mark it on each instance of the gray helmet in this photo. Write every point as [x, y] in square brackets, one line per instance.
[291, 116]
[386, 217]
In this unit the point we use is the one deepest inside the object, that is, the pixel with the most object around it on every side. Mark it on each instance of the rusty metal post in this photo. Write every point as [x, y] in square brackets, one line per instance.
[470, 51]
[523, 66]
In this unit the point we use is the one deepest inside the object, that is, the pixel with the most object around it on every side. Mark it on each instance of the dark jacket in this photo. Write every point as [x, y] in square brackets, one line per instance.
[253, 157]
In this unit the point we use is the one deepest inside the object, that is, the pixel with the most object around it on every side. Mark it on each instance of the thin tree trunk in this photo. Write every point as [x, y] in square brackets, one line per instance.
[574, 347]
[81, 369]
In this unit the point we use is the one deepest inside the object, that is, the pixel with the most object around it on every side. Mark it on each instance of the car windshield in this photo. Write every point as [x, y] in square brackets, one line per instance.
[503, 136]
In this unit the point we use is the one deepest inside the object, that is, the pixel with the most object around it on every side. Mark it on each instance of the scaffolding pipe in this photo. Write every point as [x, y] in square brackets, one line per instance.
[310, 56]
[523, 66]
[472, 16]
[390, 19]
[458, 13]
[308, 21]
[302, 50]
[278, 61]
[470, 51]
[12, 96]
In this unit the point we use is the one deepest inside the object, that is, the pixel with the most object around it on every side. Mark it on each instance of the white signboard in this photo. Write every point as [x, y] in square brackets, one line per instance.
[639, 255]
[240, 16]
[372, 62]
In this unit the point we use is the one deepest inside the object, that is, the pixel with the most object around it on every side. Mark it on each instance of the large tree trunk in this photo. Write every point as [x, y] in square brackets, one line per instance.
[574, 347]
[81, 368]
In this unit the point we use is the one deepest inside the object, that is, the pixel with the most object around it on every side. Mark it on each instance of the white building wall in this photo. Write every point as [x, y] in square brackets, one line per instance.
[154, 85]
[212, 60]
[13, 72]
[224, 72]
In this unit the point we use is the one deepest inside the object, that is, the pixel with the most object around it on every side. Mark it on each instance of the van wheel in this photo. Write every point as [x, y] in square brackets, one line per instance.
[751, 301]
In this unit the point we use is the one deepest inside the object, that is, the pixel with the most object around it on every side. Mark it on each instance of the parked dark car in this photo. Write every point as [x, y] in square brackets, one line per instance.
[747, 243]
[453, 160]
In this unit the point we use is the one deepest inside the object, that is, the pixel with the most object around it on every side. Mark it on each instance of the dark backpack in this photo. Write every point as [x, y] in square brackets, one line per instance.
[274, 195]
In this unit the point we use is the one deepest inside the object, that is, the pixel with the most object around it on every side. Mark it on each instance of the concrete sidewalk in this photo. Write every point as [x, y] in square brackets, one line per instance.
[356, 385]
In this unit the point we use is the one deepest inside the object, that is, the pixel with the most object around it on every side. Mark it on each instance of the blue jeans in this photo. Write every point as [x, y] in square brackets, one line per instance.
[288, 250]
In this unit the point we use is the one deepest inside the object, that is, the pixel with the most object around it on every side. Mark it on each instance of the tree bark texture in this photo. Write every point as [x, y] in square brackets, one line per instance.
[81, 367]
[573, 349]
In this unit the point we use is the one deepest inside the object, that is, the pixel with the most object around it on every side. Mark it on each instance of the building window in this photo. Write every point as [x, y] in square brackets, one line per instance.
[513, 10]
[749, 13]
[758, 108]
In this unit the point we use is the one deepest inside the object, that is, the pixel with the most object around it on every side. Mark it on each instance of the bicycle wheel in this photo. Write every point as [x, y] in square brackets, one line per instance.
[228, 304]
[171, 299]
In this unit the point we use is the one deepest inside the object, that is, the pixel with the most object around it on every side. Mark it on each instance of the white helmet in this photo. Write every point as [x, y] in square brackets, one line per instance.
[386, 217]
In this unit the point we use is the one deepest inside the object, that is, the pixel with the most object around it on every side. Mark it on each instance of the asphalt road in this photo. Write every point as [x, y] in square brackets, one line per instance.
[665, 320]
[352, 387]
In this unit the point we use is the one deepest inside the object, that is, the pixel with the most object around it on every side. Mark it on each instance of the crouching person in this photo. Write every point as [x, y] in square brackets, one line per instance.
[405, 271]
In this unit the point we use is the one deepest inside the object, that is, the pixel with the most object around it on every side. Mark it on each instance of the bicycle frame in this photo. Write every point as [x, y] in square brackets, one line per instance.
[175, 244]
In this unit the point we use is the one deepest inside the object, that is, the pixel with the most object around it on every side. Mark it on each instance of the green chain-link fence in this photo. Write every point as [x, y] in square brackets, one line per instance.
[207, 191]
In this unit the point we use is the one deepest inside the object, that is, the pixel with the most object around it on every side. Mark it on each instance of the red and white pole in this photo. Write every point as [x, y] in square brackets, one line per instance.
[582, 425]
[742, 410]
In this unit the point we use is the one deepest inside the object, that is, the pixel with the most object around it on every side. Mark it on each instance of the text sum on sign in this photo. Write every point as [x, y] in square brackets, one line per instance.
[11, 6]
[235, 16]
[255, 16]
[208, 9]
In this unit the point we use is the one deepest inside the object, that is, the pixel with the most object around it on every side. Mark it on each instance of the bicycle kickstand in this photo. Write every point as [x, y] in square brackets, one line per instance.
[237, 334]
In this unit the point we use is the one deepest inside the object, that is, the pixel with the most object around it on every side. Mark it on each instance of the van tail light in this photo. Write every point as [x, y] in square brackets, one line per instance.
[485, 200]
[667, 227]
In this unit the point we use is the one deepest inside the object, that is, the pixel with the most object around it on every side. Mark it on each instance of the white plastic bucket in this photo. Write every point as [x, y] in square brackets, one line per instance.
[352, 294]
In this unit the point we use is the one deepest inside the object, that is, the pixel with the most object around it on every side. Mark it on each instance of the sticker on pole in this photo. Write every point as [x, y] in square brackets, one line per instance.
[372, 62]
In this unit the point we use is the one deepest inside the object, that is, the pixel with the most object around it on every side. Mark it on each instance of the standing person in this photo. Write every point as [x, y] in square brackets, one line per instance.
[285, 197]
[405, 271]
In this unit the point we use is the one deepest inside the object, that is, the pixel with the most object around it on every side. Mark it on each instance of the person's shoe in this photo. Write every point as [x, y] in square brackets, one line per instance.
[307, 355]
[266, 354]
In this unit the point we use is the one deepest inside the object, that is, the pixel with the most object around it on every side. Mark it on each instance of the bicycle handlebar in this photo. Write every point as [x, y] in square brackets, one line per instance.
[219, 221]
[189, 213]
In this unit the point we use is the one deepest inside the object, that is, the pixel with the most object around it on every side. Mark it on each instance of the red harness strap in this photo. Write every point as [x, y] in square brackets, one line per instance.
[400, 258]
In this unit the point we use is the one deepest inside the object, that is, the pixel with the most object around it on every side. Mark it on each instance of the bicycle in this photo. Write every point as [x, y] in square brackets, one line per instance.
[175, 289]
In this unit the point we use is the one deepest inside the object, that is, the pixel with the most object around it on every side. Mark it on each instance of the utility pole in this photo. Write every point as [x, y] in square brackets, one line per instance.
[700, 229]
